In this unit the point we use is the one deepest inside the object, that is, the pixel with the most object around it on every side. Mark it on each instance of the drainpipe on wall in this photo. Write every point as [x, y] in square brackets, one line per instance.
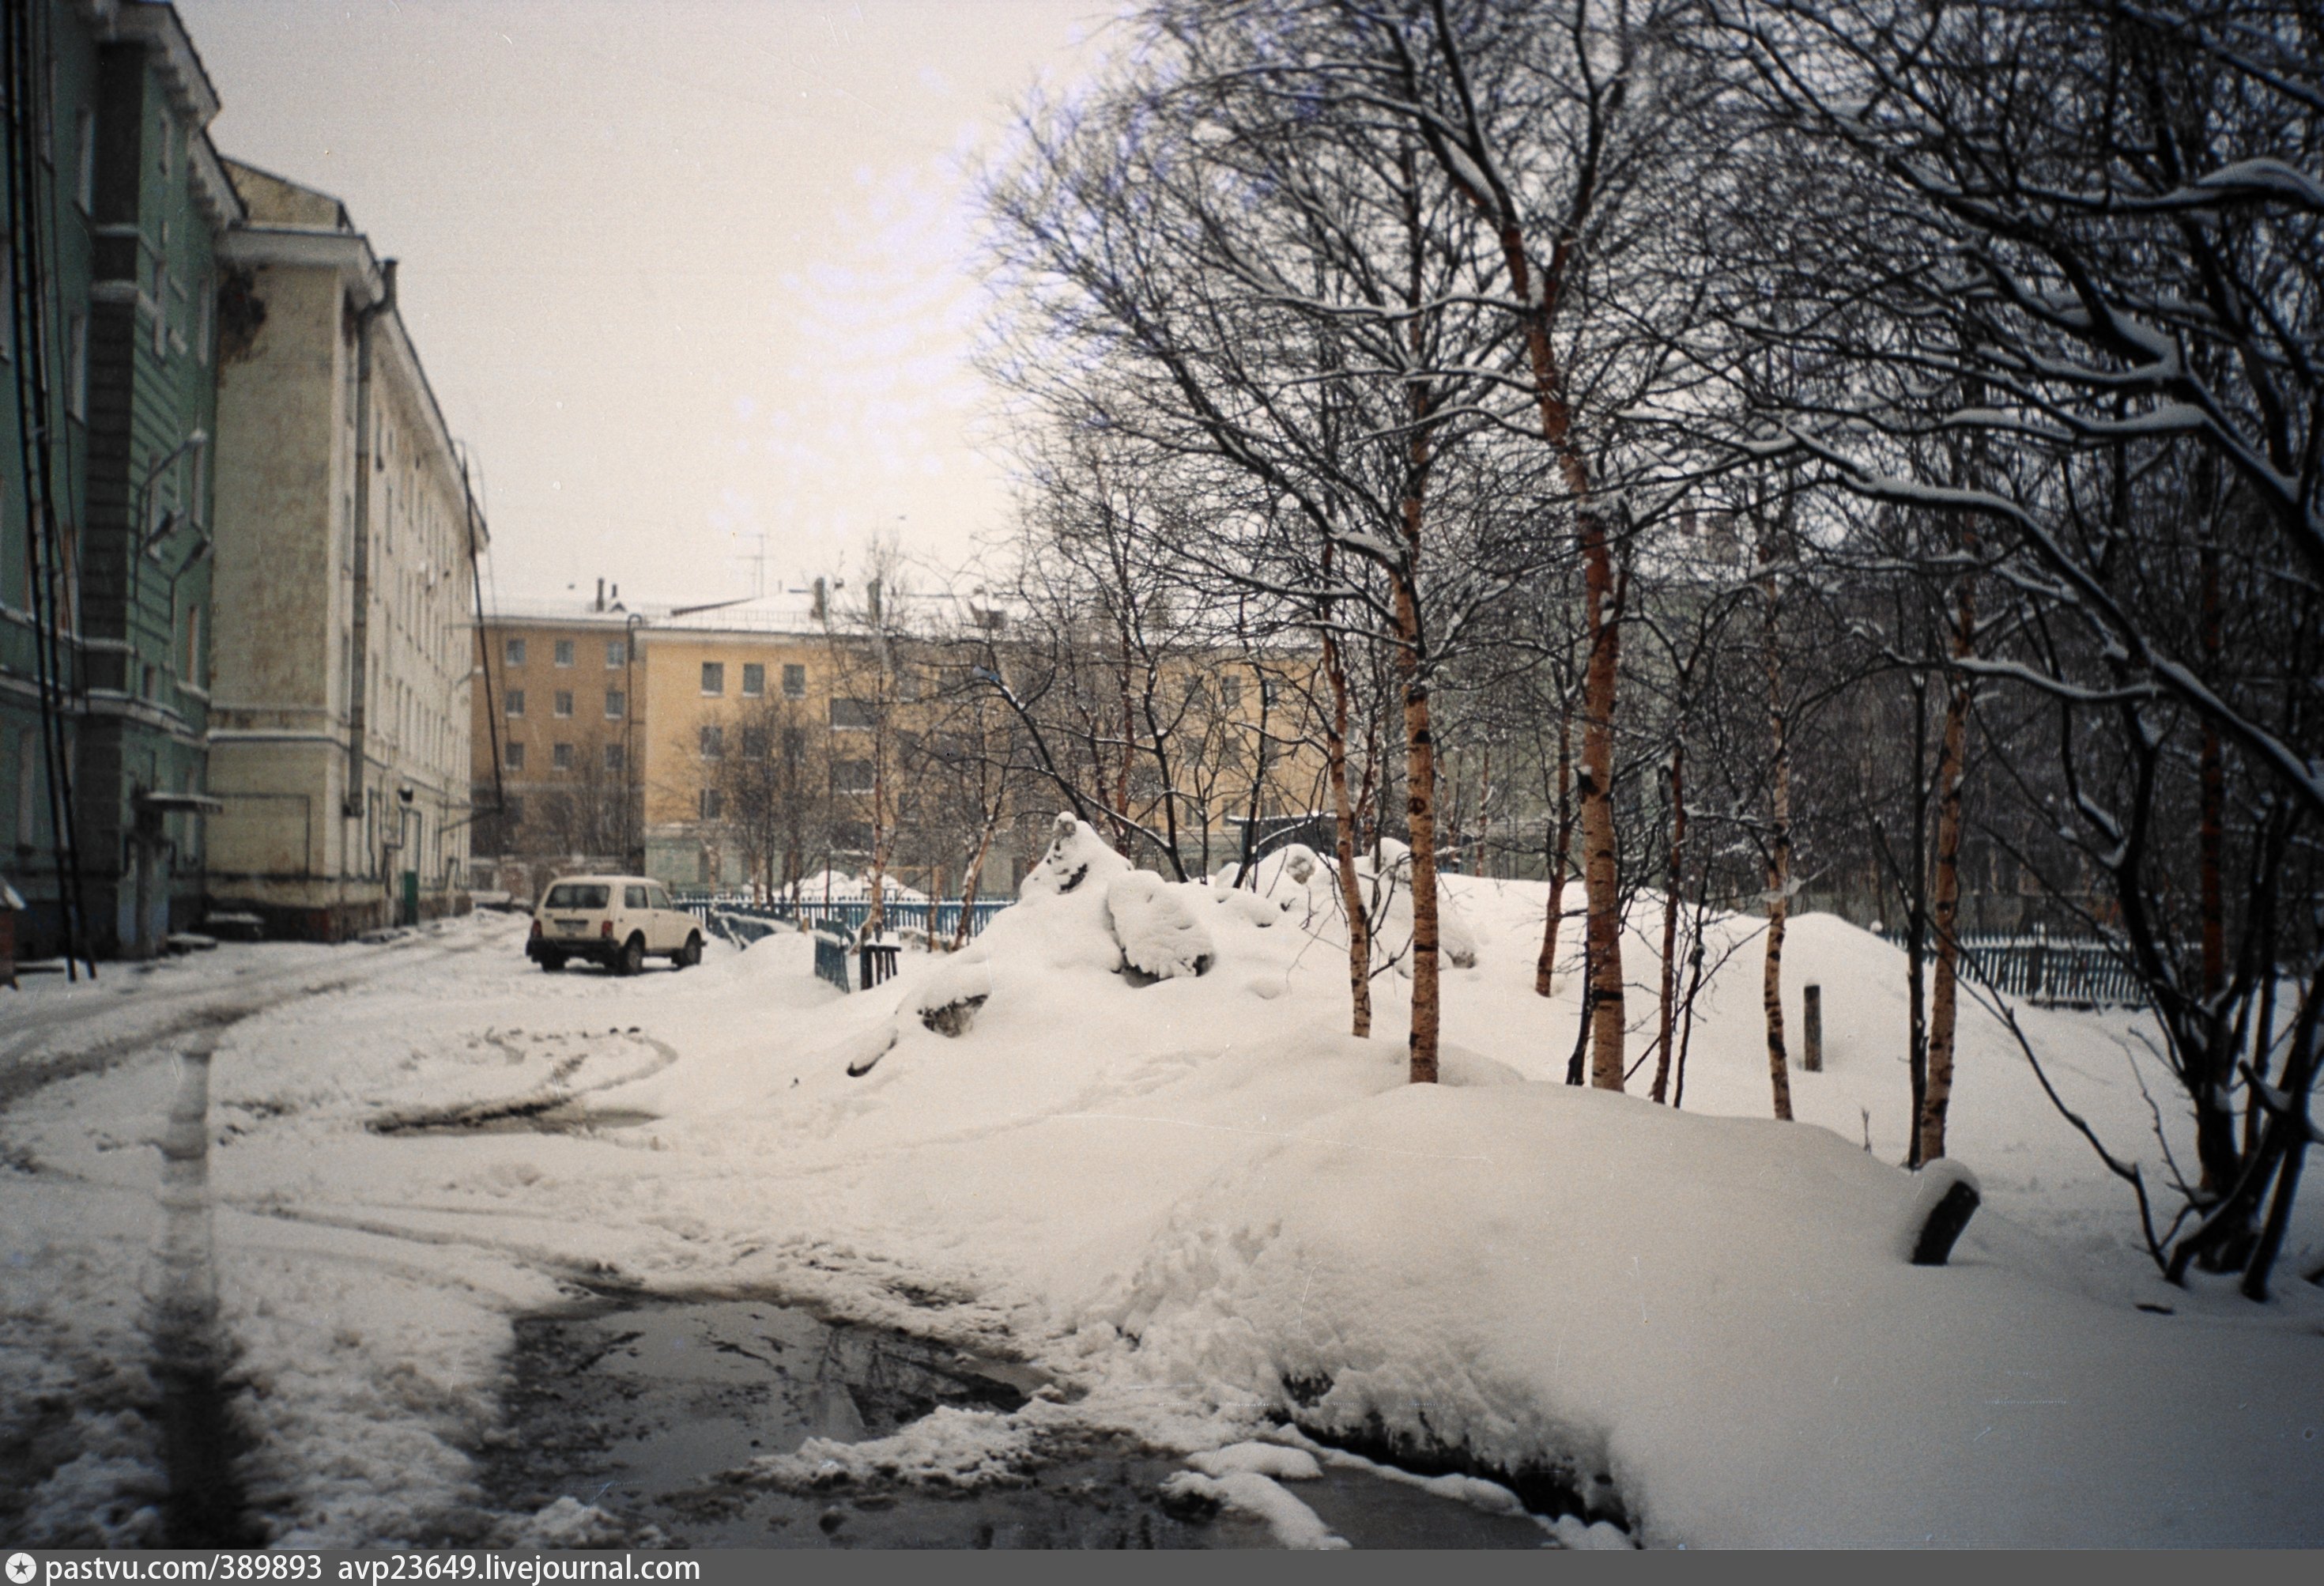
[359, 664]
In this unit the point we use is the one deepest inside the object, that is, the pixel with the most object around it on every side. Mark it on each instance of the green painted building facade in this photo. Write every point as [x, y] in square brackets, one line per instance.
[116, 205]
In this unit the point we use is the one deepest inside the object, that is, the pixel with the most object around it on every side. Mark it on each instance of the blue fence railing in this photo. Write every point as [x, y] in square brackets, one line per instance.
[939, 918]
[831, 960]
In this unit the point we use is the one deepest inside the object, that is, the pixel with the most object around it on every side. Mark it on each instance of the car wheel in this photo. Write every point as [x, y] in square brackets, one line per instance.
[551, 963]
[633, 956]
[687, 956]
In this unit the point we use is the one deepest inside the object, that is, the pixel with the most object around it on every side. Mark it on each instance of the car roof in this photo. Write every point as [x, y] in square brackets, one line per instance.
[612, 881]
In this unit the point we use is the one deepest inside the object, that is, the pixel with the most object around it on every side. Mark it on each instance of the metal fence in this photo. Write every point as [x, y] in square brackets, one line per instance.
[939, 918]
[831, 960]
[2083, 972]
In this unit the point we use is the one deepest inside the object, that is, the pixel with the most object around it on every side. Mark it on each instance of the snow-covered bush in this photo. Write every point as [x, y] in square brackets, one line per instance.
[1075, 854]
[1154, 922]
[1392, 926]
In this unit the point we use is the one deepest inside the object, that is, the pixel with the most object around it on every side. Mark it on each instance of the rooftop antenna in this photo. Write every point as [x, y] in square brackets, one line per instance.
[758, 563]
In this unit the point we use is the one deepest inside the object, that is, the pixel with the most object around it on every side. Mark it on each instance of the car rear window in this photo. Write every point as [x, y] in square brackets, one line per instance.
[634, 897]
[567, 895]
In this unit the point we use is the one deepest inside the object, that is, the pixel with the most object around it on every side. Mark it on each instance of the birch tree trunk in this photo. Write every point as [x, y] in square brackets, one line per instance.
[1420, 783]
[1945, 905]
[1545, 974]
[1601, 876]
[1779, 849]
[876, 920]
[1343, 818]
[975, 873]
[1672, 882]
[1917, 928]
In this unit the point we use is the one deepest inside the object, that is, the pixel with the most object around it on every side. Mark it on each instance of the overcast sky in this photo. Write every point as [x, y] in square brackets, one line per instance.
[683, 275]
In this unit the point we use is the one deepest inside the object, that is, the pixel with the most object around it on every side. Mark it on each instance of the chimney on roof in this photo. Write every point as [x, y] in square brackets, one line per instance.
[822, 595]
[601, 596]
[617, 598]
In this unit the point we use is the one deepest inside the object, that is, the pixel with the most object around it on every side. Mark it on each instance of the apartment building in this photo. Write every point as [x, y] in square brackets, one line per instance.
[742, 743]
[106, 534]
[346, 546]
[556, 730]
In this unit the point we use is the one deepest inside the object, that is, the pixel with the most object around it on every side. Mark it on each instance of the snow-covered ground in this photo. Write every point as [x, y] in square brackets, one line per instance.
[1191, 1196]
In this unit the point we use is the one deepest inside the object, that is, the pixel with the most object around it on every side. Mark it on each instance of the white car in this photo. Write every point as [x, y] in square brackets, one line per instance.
[618, 921]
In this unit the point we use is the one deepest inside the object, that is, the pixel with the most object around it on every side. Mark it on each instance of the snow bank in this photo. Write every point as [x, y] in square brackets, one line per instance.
[1701, 1325]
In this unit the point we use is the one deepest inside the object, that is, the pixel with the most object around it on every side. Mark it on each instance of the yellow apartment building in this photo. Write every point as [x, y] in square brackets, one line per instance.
[776, 737]
[557, 735]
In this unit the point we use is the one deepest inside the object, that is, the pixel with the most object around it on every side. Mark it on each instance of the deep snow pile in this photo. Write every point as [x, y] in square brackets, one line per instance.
[1203, 1206]
[1707, 1325]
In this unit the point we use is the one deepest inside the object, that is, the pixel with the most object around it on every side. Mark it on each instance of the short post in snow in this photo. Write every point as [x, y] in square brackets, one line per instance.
[1812, 1019]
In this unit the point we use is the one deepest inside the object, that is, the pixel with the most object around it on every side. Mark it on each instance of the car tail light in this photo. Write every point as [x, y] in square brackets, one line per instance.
[535, 927]
[605, 928]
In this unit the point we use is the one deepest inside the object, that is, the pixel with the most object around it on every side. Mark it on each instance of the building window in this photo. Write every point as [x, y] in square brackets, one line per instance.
[794, 682]
[513, 653]
[77, 367]
[560, 756]
[851, 836]
[711, 804]
[515, 756]
[617, 654]
[1231, 691]
[616, 703]
[27, 757]
[754, 743]
[850, 776]
[564, 653]
[192, 670]
[855, 715]
[713, 677]
[614, 758]
[516, 702]
[85, 178]
[563, 702]
[754, 679]
[512, 810]
[714, 742]
[794, 745]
